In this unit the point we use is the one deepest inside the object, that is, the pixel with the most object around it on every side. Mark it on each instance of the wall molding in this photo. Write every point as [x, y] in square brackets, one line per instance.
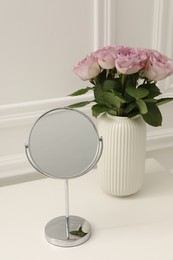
[99, 23]
[162, 26]
[158, 18]
[104, 23]
[17, 164]
[159, 139]
[25, 113]
[162, 33]
[14, 165]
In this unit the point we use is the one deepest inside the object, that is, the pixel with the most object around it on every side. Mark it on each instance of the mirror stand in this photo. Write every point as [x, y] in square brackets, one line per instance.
[58, 153]
[67, 231]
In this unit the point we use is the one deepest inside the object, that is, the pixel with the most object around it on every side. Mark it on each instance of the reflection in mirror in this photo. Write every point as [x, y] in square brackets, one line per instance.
[63, 144]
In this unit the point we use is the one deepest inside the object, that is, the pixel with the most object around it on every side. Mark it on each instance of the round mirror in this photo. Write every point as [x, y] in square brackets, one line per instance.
[63, 143]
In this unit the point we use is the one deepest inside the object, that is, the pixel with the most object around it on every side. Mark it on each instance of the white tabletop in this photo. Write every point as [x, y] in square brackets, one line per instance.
[139, 227]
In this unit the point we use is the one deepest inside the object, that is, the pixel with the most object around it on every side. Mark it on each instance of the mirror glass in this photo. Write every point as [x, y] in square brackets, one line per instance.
[63, 143]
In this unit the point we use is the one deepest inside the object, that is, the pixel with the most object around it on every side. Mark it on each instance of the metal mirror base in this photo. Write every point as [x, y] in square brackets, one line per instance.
[67, 232]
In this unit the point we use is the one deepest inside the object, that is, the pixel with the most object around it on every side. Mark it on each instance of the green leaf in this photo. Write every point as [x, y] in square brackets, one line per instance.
[132, 79]
[142, 106]
[74, 232]
[109, 85]
[80, 104]
[153, 117]
[81, 91]
[98, 109]
[112, 84]
[162, 101]
[119, 97]
[129, 98]
[101, 77]
[129, 107]
[98, 94]
[112, 98]
[133, 113]
[112, 112]
[150, 100]
[137, 92]
[112, 73]
[154, 91]
[78, 233]
[118, 84]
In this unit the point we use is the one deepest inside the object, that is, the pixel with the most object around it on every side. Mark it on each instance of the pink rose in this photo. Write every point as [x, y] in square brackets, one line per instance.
[105, 57]
[130, 60]
[158, 66]
[88, 68]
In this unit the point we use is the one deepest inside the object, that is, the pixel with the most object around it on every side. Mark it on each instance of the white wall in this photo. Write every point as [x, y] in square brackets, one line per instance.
[41, 40]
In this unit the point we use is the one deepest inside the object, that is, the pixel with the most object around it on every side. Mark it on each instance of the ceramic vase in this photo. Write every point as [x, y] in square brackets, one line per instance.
[122, 165]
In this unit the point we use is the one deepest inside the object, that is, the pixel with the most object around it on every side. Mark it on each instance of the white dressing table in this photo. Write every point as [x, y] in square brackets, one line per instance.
[139, 227]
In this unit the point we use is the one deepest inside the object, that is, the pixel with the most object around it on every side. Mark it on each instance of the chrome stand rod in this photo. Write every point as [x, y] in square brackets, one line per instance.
[67, 207]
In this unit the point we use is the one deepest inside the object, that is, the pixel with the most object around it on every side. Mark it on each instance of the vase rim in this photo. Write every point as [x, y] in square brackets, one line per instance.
[121, 117]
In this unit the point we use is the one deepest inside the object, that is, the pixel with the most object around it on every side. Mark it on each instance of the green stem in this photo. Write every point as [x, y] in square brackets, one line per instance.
[123, 82]
[107, 73]
[120, 112]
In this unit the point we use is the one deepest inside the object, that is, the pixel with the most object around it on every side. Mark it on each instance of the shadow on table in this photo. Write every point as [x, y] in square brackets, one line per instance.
[159, 175]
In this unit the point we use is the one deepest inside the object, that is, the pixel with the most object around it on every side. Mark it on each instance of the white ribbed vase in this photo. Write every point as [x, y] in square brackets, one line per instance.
[122, 164]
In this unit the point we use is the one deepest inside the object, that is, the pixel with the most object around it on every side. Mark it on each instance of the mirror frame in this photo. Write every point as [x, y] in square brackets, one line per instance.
[90, 166]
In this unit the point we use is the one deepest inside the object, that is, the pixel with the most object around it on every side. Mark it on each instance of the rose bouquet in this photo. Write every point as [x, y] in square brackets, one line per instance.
[124, 81]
